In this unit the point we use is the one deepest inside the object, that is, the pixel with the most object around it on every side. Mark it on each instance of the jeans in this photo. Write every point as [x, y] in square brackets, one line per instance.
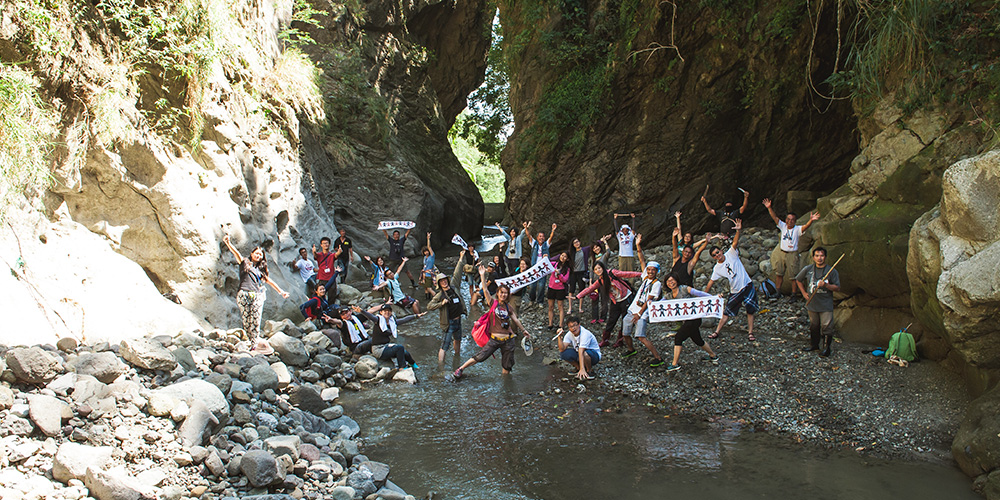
[536, 291]
[452, 334]
[573, 356]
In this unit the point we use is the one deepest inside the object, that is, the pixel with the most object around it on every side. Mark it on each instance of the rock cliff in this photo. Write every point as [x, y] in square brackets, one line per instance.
[222, 125]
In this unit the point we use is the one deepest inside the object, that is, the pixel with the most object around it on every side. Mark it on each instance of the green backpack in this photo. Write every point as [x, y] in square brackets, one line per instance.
[901, 344]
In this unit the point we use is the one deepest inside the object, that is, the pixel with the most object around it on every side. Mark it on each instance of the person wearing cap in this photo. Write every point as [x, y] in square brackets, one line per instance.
[381, 344]
[788, 259]
[579, 348]
[452, 307]
[637, 319]
[727, 215]
[626, 237]
[351, 325]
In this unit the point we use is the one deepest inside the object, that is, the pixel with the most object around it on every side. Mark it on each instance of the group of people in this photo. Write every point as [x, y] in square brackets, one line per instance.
[618, 295]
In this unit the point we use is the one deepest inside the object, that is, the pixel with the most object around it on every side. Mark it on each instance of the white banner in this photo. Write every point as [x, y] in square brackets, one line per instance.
[533, 274]
[685, 309]
[396, 224]
[459, 241]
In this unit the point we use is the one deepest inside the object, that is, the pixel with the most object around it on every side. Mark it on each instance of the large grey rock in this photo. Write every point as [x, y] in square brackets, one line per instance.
[32, 364]
[221, 380]
[348, 294]
[48, 413]
[308, 399]
[202, 391]
[184, 358]
[147, 354]
[362, 483]
[366, 367]
[330, 362]
[348, 427]
[378, 470]
[104, 366]
[284, 445]
[342, 493]
[111, 485]
[290, 349]
[261, 468]
[197, 422]
[262, 378]
[976, 447]
[72, 460]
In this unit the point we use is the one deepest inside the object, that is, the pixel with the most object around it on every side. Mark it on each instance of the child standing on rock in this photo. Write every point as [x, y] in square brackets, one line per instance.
[251, 295]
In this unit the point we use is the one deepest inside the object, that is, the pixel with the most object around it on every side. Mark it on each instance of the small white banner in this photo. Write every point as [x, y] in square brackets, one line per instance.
[459, 241]
[396, 224]
[685, 309]
[533, 274]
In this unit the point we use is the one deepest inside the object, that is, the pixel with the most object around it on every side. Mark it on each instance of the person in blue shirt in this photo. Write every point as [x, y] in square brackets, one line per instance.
[539, 250]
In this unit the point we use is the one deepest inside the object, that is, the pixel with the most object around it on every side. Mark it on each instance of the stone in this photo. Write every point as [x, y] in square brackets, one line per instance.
[202, 391]
[283, 445]
[332, 413]
[307, 398]
[309, 376]
[6, 397]
[48, 413]
[291, 350]
[104, 366]
[361, 482]
[214, 465]
[309, 452]
[284, 377]
[366, 367]
[342, 493]
[199, 454]
[347, 293]
[242, 414]
[261, 468]
[159, 404]
[407, 375]
[330, 394]
[197, 422]
[330, 362]
[111, 485]
[183, 459]
[32, 364]
[317, 340]
[262, 378]
[147, 354]
[67, 344]
[221, 380]
[978, 438]
[198, 491]
[72, 460]
[184, 358]
[379, 471]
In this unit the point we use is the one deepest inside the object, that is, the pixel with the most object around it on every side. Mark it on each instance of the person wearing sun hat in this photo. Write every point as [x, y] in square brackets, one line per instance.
[452, 307]
[637, 318]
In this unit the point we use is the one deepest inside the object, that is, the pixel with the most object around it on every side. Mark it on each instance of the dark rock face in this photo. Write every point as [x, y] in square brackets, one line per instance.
[735, 112]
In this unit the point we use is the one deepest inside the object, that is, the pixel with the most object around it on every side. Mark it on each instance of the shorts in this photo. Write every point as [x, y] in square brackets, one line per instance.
[573, 356]
[638, 327]
[506, 348]
[556, 293]
[626, 263]
[689, 330]
[786, 262]
[452, 334]
[745, 297]
[406, 303]
[427, 282]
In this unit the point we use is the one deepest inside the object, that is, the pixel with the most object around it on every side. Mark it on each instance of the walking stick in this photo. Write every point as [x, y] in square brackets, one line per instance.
[813, 294]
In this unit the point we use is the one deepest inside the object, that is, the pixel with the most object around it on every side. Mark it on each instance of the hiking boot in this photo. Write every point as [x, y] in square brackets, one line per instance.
[712, 359]
[629, 354]
[673, 368]
[810, 348]
[827, 343]
[656, 363]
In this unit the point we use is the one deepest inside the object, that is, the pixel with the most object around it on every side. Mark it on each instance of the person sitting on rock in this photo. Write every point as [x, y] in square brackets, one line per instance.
[690, 328]
[378, 276]
[727, 215]
[742, 292]
[452, 307]
[351, 325]
[318, 306]
[822, 281]
[381, 343]
[579, 348]
[788, 258]
[396, 295]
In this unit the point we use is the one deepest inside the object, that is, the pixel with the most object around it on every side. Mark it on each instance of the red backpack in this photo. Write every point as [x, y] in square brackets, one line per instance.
[481, 329]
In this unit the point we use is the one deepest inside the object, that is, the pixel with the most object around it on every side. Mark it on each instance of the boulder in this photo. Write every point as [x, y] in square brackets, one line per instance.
[72, 459]
[348, 294]
[976, 446]
[160, 404]
[283, 445]
[104, 366]
[262, 378]
[291, 350]
[261, 468]
[317, 340]
[366, 367]
[6, 397]
[184, 358]
[198, 420]
[147, 354]
[48, 413]
[32, 364]
[284, 377]
[407, 375]
[307, 398]
[342, 493]
[111, 485]
[221, 380]
[67, 344]
[201, 391]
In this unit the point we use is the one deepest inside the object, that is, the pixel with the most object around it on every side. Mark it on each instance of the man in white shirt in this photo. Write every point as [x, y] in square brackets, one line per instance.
[579, 348]
[788, 260]
[306, 270]
[742, 292]
[637, 319]
[626, 237]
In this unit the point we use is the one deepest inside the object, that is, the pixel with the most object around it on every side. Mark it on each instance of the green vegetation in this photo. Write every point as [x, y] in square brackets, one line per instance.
[26, 129]
[484, 171]
[489, 121]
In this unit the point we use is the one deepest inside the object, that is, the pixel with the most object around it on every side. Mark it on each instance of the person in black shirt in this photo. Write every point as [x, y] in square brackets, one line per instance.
[351, 326]
[380, 344]
[452, 308]
[727, 215]
[250, 297]
[396, 252]
[685, 261]
[345, 253]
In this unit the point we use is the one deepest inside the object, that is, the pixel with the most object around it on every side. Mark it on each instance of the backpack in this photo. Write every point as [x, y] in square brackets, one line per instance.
[481, 329]
[768, 289]
[902, 345]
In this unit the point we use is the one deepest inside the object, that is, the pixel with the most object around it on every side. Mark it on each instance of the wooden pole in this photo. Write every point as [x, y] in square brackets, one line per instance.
[813, 294]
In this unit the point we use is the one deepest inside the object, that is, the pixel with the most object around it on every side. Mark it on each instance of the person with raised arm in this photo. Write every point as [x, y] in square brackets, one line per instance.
[690, 328]
[727, 215]
[251, 295]
[515, 245]
[626, 238]
[679, 238]
[578, 257]
[598, 303]
[558, 283]
[396, 295]
[329, 267]
[788, 259]
[378, 276]
[381, 344]
[306, 270]
[613, 288]
[637, 317]
[501, 328]
[742, 292]
[428, 271]
[397, 251]
[452, 307]
[345, 253]
[685, 258]
[539, 251]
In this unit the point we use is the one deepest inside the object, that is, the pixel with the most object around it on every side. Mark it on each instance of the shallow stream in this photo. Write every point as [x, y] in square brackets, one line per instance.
[494, 437]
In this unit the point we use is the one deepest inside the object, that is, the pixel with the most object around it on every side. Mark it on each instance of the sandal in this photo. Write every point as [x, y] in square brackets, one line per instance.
[751, 338]
[714, 335]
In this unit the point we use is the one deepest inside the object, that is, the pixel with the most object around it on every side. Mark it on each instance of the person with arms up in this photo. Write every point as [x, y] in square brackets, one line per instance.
[598, 303]
[396, 295]
[381, 344]
[626, 238]
[617, 292]
[328, 267]
[788, 259]
[428, 271]
[515, 245]
[579, 348]
[539, 251]
[306, 270]
[742, 292]
[690, 328]
[452, 307]
[637, 318]
[397, 250]
[686, 258]
[251, 295]
[501, 328]
[345, 253]
[578, 257]
[727, 215]
[819, 281]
